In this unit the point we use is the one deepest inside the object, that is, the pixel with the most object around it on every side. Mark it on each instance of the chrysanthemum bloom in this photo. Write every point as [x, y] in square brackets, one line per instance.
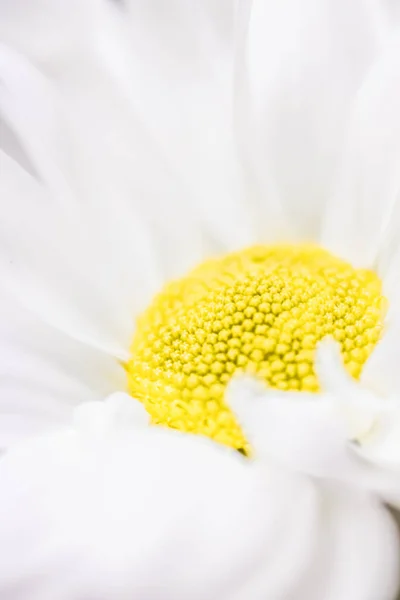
[199, 253]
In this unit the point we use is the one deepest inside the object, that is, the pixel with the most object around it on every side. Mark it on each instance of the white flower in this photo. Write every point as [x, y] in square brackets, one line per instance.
[137, 141]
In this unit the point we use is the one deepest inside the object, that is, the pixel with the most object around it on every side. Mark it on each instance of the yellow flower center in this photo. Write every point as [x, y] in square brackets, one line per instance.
[261, 311]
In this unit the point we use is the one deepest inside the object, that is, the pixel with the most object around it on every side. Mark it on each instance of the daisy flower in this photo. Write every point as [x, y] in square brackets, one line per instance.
[199, 254]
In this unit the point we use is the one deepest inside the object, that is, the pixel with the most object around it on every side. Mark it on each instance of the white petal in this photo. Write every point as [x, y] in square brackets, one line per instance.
[372, 417]
[363, 217]
[118, 410]
[152, 514]
[359, 562]
[383, 445]
[292, 430]
[138, 515]
[370, 408]
[50, 265]
[22, 20]
[356, 405]
[315, 434]
[305, 62]
[181, 69]
[381, 371]
[392, 13]
[45, 374]
[163, 84]
[357, 556]
[330, 368]
[294, 543]
[81, 249]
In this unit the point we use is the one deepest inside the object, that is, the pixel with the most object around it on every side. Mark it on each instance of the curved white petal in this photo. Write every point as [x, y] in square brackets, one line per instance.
[344, 434]
[50, 265]
[181, 65]
[363, 218]
[305, 61]
[119, 410]
[382, 447]
[381, 371]
[144, 515]
[392, 8]
[33, 28]
[164, 83]
[44, 374]
[369, 409]
[148, 513]
[369, 568]
[92, 237]
[297, 431]
[354, 561]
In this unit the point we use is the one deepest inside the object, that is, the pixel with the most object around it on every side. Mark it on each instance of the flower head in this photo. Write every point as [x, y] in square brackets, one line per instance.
[199, 248]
